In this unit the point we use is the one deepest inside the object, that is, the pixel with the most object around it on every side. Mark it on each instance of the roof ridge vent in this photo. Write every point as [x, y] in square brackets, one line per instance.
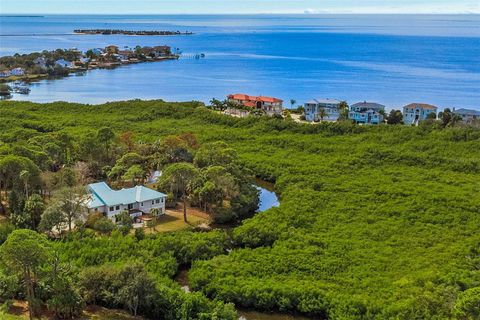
[138, 190]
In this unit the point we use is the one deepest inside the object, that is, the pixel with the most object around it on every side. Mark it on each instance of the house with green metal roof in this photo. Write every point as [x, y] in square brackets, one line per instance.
[137, 200]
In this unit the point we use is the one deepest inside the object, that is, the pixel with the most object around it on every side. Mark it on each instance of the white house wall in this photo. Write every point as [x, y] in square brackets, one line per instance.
[145, 206]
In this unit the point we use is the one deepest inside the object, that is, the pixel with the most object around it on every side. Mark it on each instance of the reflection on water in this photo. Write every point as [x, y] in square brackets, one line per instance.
[245, 52]
[268, 197]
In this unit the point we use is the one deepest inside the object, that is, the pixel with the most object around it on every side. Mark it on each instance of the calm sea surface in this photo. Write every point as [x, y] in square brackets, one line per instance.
[393, 60]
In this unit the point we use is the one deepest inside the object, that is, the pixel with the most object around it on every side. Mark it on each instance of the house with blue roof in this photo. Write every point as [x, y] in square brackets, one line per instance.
[137, 200]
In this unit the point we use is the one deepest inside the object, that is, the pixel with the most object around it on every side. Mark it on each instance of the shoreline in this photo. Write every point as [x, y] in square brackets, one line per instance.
[59, 63]
[107, 65]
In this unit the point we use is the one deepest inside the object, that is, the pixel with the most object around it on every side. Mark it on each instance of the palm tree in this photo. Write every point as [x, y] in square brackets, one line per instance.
[154, 213]
[343, 108]
[322, 113]
[292, 103]
[25, 177]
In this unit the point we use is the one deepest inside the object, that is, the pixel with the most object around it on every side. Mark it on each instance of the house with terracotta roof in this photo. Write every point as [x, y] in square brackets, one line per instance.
[111, 49]
[161, 51]
[367, 112]
[416, 112]
[124, 55]
[157, 51]
[322, 109]
[137, 200]
[270, 105]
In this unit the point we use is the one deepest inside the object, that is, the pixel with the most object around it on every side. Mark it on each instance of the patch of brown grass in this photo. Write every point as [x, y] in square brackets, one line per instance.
[19, 311]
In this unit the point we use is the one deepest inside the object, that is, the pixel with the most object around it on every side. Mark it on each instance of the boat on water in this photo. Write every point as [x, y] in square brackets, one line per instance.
[21, 89]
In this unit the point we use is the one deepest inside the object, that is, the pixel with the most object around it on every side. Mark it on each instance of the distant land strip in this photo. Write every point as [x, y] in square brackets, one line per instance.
[22, 16]
[35, 34]
[131, 32]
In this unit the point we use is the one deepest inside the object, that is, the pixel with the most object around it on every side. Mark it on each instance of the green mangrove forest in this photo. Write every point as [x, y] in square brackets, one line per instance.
[374, 222]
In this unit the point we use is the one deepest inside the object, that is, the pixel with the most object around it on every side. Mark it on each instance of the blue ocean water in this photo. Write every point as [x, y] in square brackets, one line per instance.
[391, 59]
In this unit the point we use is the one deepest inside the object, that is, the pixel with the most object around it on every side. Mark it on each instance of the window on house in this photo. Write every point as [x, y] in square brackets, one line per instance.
[153, 202]
[157, 201]
[117, 208]
[142, 204]
[112, 208]
[130, 206]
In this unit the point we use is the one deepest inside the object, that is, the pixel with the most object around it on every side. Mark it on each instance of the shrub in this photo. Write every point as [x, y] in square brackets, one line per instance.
[104, 226]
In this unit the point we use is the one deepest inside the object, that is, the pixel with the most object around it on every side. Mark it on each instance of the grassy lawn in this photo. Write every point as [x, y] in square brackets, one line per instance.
[173, 221]
[25, 77]
[5, 316]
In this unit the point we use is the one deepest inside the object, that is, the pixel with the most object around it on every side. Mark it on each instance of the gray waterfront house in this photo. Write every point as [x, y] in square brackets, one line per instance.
[367, 112]
[468, 116]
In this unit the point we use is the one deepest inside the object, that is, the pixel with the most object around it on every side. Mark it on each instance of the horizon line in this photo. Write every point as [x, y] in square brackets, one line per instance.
[236, 14]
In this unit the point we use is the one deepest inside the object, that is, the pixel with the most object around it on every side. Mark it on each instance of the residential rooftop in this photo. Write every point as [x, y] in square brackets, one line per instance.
[245, 97]
[421, 105]
[469, 112]
[368, 105]
[103, 195]
[324, 101]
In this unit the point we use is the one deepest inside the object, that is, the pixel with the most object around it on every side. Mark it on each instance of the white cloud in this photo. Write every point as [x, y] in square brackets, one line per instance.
[240, 6]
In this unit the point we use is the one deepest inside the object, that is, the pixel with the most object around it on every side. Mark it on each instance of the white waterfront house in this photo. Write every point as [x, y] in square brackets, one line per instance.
[322, 110]
[416, 112]
[41, 62]
[468, 116]
[64, 63]
[17, 72]
[5, 73]
[367, 112]
[137, 200]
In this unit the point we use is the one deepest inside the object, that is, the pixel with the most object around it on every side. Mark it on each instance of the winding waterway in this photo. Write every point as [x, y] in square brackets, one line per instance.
[268, 199]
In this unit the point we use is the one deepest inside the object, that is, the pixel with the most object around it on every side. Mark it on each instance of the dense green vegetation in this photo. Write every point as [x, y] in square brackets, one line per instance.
[374, 223]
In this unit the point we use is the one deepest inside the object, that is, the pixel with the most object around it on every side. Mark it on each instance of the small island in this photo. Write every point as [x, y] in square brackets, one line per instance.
[131, 32]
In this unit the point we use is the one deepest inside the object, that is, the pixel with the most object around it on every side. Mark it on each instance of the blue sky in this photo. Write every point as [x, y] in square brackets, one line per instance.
[238, 6]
